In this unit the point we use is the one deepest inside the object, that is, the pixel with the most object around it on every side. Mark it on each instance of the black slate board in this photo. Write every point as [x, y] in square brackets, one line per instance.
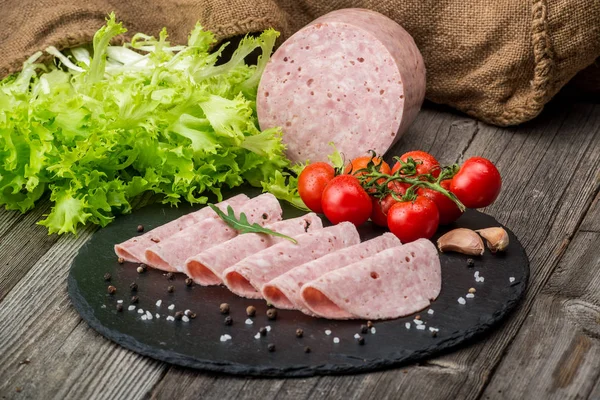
[197, 343]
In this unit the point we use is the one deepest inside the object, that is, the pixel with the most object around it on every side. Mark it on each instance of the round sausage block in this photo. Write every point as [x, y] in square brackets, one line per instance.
[352, 77]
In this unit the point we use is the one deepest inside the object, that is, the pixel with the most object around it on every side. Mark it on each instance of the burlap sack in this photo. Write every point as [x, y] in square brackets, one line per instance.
[497, 60]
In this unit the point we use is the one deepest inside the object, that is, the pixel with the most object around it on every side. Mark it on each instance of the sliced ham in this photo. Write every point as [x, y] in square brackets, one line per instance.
[393, 283]
[207, 267]
[171, 254]
[284, 291]
[134, 248]
[247, 277]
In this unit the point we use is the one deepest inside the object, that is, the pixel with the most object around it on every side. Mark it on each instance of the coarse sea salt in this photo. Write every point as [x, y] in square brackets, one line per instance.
[185, 318]
[140, 311]
[158, 303]
[131, 308]
[470, 295]
[257, 336]
[103, 306]
[144, 317]
[511, 279]
[421, 327]
[249, 321]
[430, 311]
[336, 340]
[356, 336]
[268, 328]
[119, 301]
[172, 307]
[225, 338]
[432, 329]
[481, 279]
[461, 300]
[418, 321]
[149, 314]
[187, 312]
[476, 274]
[373, 330]
[327, 332]
[157, 315]
[170, 318]
[407, 325]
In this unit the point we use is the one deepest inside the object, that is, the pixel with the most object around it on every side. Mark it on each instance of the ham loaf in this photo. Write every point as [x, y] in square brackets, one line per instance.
[247, 277]
[353, 76]
[207, 267]
[133, 249]
[171, 254]
[393, 283]
[284, 291]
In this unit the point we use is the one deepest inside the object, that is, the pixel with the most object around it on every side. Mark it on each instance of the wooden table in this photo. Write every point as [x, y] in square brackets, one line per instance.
[548, 348]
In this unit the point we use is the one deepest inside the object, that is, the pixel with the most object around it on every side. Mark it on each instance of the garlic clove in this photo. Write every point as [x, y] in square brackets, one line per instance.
[461, 240]
[496, 238]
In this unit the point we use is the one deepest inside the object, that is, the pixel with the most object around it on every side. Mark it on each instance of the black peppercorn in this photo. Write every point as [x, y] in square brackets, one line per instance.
[470, 262]
[171, 289]
[192, 315]
[224, 308]
[361, 340]
[133, 286]
[307, 349]
[140, 228]
[299, 333]
[107, 277]
[170, 276]
[119, 307]
[369, 324]
[189, 282]
[135, 300]
[112, 289]
[120, 260]
[265, 216]
[271, 347]
[228, 320]
[251, 311]
[263, 331]
[179, 315]
[272, 313]
[364, 329]
[434, 334]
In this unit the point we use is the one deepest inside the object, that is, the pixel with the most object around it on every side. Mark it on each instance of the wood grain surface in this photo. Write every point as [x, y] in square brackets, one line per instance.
[548, 348]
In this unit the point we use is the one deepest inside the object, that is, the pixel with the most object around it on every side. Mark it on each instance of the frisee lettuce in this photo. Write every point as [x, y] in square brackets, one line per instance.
[96, 130]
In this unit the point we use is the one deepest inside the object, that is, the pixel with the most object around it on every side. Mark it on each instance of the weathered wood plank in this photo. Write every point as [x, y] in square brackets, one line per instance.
[67, 358]
[560, 340]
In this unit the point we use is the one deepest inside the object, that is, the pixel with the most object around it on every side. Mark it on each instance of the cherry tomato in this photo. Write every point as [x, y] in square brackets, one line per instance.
[449, 211]
[412, 220]
[382, 206]
[311, 183]
[361, 162]
[477, 183]
[426, 163]
[344, 199]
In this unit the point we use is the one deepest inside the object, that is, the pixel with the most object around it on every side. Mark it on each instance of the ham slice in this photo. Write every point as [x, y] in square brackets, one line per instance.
[393, 283]
[207, 267]
[133, 249]
[247, 277]
[171, 254]
[284, 291]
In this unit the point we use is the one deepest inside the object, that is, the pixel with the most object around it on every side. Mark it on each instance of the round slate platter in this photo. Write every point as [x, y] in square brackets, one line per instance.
[197, 343]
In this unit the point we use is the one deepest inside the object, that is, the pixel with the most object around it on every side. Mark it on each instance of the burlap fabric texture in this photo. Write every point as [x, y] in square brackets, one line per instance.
[497, 60]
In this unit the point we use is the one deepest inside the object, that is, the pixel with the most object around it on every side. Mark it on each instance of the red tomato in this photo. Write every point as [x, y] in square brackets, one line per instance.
[344, 199]
[361, 162]
[477, 183]
[382, 206]
[449, 212]
[412, 220]
[426, 163]
[311, 183]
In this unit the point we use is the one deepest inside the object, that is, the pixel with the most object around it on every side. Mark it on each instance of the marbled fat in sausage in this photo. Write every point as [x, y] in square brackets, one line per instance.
[353, 76]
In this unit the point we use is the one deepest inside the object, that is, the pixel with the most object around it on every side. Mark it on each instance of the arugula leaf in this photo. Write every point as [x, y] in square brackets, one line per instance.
[243, 225]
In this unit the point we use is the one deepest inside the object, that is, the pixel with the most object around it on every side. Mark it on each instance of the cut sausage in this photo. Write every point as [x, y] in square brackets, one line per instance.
[284, 291]
[353, 75]
[207, 267]
[134, 248]
[396, 282]
[247, 277]
[171, 254]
